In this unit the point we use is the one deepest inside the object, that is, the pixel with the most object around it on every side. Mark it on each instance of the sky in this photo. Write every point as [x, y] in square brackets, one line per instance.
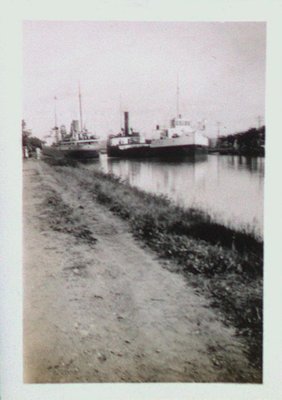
[135, 66]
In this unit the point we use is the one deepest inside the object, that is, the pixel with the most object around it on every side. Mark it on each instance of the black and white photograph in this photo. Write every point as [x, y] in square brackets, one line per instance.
[143, 153]
[143, 168]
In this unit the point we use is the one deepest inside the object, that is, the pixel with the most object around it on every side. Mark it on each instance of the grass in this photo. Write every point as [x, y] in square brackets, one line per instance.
[152, 216]
[223, 263]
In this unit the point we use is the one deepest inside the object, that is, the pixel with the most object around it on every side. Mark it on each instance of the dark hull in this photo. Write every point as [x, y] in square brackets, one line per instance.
[135, 152]
[80, 154]
[178, 151]
[169, 152]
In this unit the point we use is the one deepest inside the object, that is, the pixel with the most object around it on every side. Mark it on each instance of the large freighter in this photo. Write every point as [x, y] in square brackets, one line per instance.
[180, 140]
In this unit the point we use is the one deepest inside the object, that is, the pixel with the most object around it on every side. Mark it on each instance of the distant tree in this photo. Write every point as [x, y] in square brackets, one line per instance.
[25, 133]
[35, 142]
[250, 142]
[31, 142]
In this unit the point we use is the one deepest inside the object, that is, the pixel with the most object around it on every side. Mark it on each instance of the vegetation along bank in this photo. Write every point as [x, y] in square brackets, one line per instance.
[223, 263]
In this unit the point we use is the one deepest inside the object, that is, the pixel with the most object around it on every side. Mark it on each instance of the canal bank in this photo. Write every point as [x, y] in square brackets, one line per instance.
[229, 188]
[101, 305]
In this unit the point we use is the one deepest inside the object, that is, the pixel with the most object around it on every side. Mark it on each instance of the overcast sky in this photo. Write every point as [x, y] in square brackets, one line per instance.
[134, 66]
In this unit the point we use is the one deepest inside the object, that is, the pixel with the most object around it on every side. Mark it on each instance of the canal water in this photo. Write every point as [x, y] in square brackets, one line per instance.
[230, 188]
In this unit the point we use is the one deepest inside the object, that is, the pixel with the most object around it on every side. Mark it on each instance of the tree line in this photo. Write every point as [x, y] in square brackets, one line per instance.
[250, 142]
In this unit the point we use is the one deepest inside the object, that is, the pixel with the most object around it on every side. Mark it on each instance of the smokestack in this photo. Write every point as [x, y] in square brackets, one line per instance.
[126, 128]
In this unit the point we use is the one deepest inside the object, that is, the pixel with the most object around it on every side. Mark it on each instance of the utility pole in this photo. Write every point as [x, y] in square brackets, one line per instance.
[218, 133]
[218, 129]
[259, 119]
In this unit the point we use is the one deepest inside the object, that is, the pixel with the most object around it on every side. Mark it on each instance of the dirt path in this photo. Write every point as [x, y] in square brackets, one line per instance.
[98, 307]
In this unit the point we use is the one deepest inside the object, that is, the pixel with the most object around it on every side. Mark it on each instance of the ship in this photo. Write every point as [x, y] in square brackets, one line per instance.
[79, 143]
[181, 139]
[128, 143]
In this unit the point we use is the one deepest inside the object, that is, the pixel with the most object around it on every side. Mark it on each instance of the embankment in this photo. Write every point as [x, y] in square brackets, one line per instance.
[103, 304]
[224, 264]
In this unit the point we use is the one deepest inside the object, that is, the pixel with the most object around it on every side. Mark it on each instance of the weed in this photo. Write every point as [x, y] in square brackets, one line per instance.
[225, 263]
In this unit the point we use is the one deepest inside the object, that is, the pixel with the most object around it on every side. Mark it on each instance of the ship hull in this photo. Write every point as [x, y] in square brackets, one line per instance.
[129, 152]
[165, 152]
[79, 149]
[80, 154]
[177, 152]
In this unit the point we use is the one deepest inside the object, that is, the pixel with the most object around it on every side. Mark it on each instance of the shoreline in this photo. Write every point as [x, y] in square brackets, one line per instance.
[230, 260]
[232, 152]
[227, 274]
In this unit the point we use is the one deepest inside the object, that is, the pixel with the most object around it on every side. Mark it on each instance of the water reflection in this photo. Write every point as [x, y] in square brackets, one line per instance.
[252, 164]
[228, 187]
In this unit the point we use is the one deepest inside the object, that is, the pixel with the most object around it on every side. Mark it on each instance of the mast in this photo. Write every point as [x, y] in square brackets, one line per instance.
[55, 111]
[55, 116]
[80, 108]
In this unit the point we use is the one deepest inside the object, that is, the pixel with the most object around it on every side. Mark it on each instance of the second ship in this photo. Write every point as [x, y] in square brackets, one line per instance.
[180, 140]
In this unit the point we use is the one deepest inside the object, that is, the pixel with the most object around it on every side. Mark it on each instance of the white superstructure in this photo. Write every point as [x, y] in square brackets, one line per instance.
[181, 133]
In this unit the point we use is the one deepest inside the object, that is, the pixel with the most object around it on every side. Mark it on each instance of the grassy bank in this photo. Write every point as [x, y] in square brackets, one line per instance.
[224, 264]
